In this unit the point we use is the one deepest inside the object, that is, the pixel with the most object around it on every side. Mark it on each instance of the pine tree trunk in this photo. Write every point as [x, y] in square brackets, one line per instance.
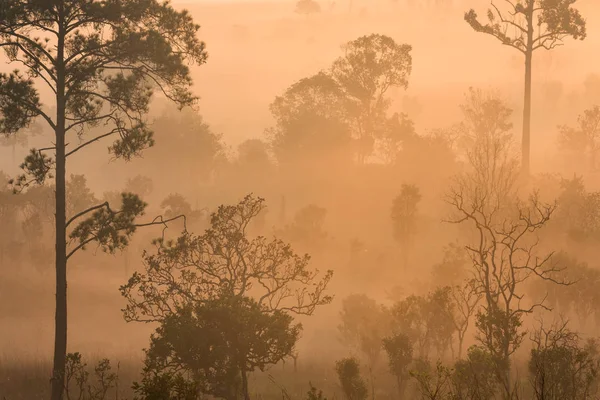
[60, 334]
[526, 140]
[245, 384]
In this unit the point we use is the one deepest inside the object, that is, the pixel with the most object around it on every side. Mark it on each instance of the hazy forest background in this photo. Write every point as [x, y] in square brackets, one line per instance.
[382, 224]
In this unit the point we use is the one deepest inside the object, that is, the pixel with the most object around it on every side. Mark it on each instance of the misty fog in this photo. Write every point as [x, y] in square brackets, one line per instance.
[348, 213]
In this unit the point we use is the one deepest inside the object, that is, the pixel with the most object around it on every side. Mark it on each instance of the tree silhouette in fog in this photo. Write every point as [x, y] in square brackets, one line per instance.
[344, 109]
[404, 218]
[102, 61]
[371, 65]
[585, 139]
[307, 7]
[223, 300]
[200, 151]
[527, 26]
[310, 121]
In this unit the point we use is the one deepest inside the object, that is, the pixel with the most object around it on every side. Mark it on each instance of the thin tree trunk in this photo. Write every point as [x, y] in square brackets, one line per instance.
[372, 382]
[526, 140]
[400, 387]
[245, 384]
[461, 339]
[60, 334]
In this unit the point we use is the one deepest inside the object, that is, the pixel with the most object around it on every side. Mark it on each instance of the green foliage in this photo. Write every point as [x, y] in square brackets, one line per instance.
[109, 228]
[16, 114]
[353, 385]
[36, 167]
[218, 340]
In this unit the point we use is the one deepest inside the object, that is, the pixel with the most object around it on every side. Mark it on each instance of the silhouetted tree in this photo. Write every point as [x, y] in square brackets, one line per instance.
[583, 141]
[79, 196]
[504, 249]
[433, 383]
[200, 151]
[465, 298]
[560, 367]
[253, 154]
[218, 342]
[307, 7]
[427, 320]
[371, 65]
[404, 218]
[226, 265]
[400, 355]
[535, 24]
[140, 185]
[307, 228]
[453, 268]
[353, 385]
[311, 122]
[474, 378]
[102, 61]
[364, 325]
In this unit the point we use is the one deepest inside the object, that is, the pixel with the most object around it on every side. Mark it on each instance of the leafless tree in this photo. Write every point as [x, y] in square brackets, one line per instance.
[503, 241]
[466, 298]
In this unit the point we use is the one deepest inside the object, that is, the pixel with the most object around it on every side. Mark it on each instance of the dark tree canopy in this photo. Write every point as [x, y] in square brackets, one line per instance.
[224, 301]
[310, 120]
[216, 343]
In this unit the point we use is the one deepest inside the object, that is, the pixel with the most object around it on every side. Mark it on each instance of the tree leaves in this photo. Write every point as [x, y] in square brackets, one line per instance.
[19, 102]
[110, 229]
